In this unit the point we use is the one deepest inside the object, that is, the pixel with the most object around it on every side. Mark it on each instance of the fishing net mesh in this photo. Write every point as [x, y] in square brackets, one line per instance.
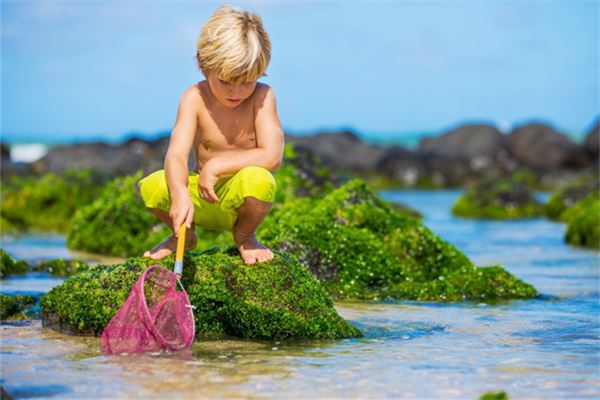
[155, 317]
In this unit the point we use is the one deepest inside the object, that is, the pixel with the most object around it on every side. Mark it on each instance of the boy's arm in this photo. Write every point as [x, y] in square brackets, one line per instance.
[269, 142]
[176, 160]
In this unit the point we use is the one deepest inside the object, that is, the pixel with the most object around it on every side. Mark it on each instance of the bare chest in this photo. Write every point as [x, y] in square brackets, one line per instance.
[227, 132]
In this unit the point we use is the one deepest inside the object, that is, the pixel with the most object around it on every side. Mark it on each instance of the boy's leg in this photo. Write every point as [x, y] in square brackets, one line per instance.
[169, 245]
[250, 214]
[155, 194]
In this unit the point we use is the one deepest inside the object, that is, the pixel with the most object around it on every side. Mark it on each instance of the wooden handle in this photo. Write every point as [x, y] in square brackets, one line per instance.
[180, 243]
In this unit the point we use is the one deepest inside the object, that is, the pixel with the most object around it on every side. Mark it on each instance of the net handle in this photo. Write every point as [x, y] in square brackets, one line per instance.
[180, 247]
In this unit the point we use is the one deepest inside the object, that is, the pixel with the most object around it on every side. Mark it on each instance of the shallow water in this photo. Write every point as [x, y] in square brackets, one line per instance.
[541, 348]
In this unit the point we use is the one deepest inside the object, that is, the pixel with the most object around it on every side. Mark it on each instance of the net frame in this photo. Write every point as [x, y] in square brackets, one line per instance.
[137, 310]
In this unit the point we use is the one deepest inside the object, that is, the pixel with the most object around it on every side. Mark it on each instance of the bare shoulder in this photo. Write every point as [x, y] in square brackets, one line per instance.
[263, 91]
[192, 97]
[264, 96]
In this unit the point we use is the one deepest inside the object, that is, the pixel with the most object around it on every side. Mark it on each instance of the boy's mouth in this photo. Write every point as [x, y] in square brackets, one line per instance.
[234, 100]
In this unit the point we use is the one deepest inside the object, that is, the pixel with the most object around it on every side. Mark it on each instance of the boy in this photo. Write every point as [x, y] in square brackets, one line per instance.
[230, 122]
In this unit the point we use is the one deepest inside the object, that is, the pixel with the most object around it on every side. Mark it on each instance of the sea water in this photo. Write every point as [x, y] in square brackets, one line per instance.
[540, 348]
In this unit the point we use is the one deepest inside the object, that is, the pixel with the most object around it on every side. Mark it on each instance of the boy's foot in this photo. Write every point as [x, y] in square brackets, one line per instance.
[251, 250]
[169, 246]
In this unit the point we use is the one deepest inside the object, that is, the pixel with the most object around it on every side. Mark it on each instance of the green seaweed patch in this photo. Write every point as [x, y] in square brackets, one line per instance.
[360, 247]
[502, 395]
[10, 266]
[56, 267]
[561, 200]
[502, 199]
[527, 177]
[117, 223]
[302, 174]
[583, 222]
[61, 267]
[46, 203]
[16, 307]
[276, 299]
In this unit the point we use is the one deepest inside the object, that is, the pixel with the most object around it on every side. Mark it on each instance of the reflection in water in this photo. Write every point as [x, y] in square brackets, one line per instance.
[544, 347]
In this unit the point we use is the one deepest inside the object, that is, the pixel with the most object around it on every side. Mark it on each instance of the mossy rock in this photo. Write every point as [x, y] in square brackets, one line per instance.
[359, 247]
[16, 307]
[583, 222]
[60, 267]
[117, 223]
[303, 174]
[56, 267]
[46, 203]
[502, 395]
[274, 299]
[10, 266]
[502, 199]
[562, 200]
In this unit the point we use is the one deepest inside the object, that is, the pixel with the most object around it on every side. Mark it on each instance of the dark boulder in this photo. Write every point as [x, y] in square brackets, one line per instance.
[591, 144]
[427, 169]
[482, 146]
[402, 164]
[96, 156]
[540, 145]
[343, 150]
[4, 152]
[109, 159]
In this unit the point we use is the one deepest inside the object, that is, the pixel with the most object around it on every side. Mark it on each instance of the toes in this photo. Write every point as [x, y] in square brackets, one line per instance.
[265, 255]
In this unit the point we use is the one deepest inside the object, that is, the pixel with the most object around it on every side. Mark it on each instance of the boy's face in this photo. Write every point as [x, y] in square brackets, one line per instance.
[229, 94]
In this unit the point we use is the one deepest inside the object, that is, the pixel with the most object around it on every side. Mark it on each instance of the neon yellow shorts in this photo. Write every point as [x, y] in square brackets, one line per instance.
[249, 181]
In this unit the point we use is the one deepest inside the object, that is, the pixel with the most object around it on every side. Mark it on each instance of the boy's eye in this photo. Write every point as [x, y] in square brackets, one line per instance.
[223, 82]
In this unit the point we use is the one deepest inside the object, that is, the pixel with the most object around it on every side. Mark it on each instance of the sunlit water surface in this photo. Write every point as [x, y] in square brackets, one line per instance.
[541, 348]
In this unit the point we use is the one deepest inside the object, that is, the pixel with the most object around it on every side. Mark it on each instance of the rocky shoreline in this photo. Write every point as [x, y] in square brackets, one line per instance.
[535, 153]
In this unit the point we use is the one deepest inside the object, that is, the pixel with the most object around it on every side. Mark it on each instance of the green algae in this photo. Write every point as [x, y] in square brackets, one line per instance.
[359, 247]
[583, 222]
[46, 203]
[16, 307]
[10, 266]
[502, 395]
[563, 199]
[302, 174]
[117, 223]
[57, 267]
[61, 267]
[501, 199]
[276, 299]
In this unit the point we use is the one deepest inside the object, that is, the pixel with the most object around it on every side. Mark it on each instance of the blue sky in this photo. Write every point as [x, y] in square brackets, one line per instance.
[82, 69]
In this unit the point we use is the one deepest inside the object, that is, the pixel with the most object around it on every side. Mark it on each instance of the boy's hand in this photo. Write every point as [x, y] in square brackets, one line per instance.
[182, 211]
[206, 184]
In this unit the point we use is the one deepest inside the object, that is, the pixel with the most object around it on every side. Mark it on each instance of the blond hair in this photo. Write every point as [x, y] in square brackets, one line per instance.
[234, 44]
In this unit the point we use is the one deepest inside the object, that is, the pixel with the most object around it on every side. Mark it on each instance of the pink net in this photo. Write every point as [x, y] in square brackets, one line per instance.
[155, 317]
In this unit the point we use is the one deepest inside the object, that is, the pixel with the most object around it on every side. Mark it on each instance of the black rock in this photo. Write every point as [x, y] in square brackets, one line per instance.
[591, 144]
[540, 145]
[343, 150]
[482, 146]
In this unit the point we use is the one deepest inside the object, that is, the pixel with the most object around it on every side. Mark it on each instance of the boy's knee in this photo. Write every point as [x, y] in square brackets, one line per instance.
[155, 190]
[257, 182]
[257, 175]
